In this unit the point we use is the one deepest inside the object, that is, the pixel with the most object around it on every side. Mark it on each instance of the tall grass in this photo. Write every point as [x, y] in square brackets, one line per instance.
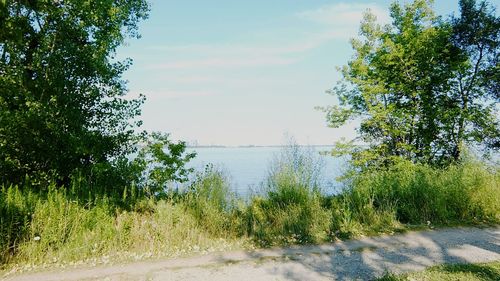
[70, 226]
[210, 200]
[16, 213]
[290, 211]
[48, 228]
[419, 194]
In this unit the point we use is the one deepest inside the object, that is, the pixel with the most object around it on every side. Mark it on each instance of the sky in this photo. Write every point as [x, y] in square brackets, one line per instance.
[226, 72]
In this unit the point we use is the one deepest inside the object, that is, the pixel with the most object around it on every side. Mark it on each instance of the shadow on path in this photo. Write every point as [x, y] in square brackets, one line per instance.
[369, 258]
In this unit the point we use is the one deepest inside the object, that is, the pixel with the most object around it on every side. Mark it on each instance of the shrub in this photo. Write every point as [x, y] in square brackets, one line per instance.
[210, 200]
[418, 193]
[290, 210]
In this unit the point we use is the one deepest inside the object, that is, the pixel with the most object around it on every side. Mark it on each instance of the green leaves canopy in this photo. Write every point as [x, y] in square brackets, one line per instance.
[422, 86]
[162, 162]
[61, 92]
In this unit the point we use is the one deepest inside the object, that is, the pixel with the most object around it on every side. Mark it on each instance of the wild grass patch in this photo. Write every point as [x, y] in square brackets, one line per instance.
[42, 230]
[419, 194]
[290, 211]
[451, 272]
[65, 226]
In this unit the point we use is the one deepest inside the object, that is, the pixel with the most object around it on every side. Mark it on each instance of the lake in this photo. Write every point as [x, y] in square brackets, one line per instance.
[247, 167]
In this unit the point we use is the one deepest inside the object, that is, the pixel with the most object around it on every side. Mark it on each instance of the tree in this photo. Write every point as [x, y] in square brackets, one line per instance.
[162, 162]
[406, 85]
[61, 91]
[475, 85]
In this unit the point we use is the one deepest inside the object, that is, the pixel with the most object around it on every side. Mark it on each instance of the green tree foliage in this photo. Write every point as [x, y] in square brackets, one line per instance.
[162, 162]
[423, 87]
[476, 87]
[61, 91]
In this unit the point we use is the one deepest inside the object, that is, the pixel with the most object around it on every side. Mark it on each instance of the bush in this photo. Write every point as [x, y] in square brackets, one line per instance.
[290, 211]
[419, 194]
[210, 200]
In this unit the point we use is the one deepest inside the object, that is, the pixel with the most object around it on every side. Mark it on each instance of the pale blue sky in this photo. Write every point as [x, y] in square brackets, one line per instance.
[245, 72]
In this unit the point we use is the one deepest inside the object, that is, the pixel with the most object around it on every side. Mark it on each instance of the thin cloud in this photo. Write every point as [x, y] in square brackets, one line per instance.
[224, 62]
[243, 56]
[344, 15]
[169, 94]
[337, 22]
[340, 21]
[238, 49]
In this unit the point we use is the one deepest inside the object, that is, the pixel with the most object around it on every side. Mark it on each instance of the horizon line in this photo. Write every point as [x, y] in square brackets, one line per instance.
[252, 145]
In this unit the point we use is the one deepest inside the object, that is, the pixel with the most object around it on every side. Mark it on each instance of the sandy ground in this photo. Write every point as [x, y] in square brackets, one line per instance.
[362, 259]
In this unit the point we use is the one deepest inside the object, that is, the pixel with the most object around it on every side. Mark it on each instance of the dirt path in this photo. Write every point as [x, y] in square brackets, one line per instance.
[352, 260]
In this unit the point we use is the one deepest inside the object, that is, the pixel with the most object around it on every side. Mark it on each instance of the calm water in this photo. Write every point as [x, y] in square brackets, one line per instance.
[247, 167]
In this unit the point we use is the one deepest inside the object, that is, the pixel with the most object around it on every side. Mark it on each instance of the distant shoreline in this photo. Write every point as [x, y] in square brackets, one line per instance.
[256, 146]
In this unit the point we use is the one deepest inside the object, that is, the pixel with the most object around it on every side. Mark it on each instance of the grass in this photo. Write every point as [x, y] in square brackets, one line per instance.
[452, 272]
[62, 227]
[418, 194]
[414, 194]
[54, 228]
[290, 211]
